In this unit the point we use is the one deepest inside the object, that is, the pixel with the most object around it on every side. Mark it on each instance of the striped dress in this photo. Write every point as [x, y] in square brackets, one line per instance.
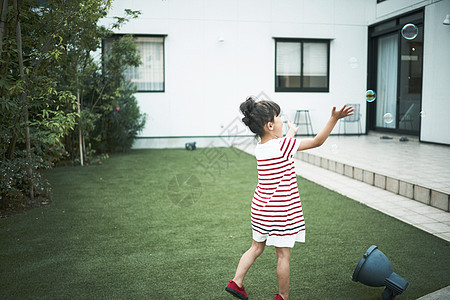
[276, 211]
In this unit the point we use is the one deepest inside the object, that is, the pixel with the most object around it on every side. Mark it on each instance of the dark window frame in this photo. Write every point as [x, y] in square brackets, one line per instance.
[120, 35]
[302, 88]
[391, 25]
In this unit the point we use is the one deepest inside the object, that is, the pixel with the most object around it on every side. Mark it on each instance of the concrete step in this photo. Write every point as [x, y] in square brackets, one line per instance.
[427, 195]
[441, 294]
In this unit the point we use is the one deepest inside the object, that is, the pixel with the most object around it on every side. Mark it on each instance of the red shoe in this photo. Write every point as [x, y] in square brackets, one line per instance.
[278, 297]
[236, 291]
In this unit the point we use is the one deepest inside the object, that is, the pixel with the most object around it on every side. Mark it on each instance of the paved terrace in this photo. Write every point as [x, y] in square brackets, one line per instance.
[419, 171]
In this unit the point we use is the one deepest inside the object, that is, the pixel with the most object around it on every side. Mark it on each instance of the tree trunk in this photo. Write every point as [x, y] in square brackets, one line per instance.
[3, 36]
[3, 22]
[72, 149]
[84, 147]
[80, 136]
[11, 147]
[25, 101]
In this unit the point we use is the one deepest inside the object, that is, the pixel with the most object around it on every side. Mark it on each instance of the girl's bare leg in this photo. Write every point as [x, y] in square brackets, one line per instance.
[283, 271]
[247, 260]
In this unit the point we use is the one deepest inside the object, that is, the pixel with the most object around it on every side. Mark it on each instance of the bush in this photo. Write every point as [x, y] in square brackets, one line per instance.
[118, 127]
[15, 183]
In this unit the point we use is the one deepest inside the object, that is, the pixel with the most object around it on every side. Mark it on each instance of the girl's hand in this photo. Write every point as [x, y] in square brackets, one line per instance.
[292, 127]
[342, 113]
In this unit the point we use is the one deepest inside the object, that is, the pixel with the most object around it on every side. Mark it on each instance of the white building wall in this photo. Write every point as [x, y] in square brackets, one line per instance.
[435, 123]
[207, 79]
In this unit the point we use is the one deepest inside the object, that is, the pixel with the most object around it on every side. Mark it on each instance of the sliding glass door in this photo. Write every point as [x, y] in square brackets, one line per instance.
[395, 73]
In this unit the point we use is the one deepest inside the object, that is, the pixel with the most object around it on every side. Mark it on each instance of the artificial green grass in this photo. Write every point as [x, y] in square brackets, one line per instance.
[125, 230]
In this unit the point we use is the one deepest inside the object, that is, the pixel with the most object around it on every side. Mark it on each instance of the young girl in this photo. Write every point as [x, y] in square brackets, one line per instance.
[276, 210]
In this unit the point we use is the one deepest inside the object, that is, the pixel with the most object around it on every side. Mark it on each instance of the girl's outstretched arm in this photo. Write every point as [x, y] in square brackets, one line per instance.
[292, 129]
[320, 138]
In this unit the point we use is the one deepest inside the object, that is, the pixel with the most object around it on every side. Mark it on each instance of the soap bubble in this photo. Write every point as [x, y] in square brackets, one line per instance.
[371, 96]
[410, 31]
[353, 62]
[388, 118]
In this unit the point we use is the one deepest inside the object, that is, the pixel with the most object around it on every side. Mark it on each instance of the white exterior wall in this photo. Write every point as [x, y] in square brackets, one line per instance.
[435, 126]
[392, 8]
[206, 80]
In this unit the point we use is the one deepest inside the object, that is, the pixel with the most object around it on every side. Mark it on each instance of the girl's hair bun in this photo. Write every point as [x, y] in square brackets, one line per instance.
[246, 121]
[246, 108]
[257, 114]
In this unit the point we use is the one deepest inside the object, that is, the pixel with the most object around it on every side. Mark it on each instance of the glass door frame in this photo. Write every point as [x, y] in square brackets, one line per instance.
[386, 27]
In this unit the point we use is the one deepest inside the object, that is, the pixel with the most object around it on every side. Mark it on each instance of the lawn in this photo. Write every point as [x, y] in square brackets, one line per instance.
[172, 224]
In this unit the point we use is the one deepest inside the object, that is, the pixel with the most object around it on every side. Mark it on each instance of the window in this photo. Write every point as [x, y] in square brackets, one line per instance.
[149, 76]
[302, 65]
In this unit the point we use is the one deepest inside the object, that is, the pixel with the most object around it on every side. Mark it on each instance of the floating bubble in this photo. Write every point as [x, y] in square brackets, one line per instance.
[388, 118]
[422, 114]
[410, 31]
[353, 62]
[371, 96]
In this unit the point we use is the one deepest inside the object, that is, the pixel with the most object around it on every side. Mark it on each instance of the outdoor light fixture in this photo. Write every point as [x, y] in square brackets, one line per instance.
[447, 20]
[190, 146]
[375, 269]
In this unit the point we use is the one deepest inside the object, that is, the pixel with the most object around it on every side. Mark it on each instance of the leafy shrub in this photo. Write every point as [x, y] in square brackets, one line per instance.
[15, 181]
[119, 125]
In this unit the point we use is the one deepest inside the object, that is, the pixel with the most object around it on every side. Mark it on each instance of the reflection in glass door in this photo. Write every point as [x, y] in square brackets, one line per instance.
[410, 82]
[387, 65]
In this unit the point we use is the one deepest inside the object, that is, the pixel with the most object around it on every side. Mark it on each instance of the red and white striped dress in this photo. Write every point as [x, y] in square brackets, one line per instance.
[276, 211]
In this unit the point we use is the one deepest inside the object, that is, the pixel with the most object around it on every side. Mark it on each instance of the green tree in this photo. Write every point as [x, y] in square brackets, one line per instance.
[52, 89]
[114, 100]
[29, 49]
